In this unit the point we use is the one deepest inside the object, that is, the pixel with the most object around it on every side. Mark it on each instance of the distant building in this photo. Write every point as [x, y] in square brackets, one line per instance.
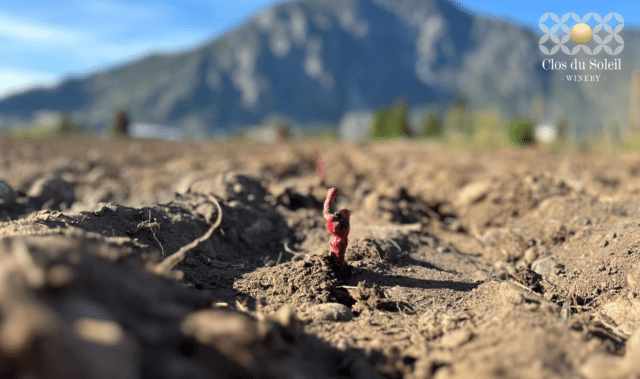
[546, 133]
[356, 126]
[156, 131]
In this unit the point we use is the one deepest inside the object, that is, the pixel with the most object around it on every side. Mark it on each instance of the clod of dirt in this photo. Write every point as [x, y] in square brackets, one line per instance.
[547, 266]
[83, 323]
[388, 203]
[625, 313]
[230, 186]
[312, 280]
[331, 312]
[51, 193]
[368, 297]
[365, 249]
[530, 279]
[299, 193]
[601, 365]
[514, 295]
[530, 255]
[248, 215]
[633, 277]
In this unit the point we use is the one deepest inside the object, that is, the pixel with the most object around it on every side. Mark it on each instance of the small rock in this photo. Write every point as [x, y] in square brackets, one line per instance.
[547, 266]
[625, 313]
[633, 277]
[530, 255]
[332, 312]
[510, 294]
[7, 195]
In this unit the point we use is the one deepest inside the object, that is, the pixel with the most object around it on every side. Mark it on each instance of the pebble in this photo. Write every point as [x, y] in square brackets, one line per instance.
[625, 314]
[633, 277]
[7, 195]
[531, 254]
[547, 266]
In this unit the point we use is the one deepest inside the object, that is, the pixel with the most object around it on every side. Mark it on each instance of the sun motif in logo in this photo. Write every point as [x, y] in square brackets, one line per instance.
[581, 33]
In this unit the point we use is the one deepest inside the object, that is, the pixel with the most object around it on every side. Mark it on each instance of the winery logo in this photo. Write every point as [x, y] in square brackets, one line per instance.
[591, 34]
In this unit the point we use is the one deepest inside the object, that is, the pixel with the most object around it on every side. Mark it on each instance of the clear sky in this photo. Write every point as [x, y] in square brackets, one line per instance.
[44, 41]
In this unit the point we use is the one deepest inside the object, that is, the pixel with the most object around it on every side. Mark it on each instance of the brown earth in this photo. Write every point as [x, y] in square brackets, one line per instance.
[503, 264]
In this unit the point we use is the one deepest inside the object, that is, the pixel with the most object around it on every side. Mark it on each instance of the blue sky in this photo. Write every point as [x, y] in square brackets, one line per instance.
[43, 42]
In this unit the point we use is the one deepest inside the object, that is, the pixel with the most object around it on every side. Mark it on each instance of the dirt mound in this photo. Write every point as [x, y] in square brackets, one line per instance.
[312, 280]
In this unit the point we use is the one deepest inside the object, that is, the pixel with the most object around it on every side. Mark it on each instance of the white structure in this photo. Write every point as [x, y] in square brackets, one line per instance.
[156, 131]
[356, 126]
[546, 133]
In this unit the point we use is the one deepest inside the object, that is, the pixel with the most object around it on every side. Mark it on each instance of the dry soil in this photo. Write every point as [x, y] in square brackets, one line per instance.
[486, 264]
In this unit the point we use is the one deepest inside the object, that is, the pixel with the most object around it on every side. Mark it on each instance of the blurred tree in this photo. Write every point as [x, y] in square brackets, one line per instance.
[432, 126]
[389, 123]
[283, 132]
[66, 125]
[521, 132]
[121, 124]
[399, 121]
[381, 124]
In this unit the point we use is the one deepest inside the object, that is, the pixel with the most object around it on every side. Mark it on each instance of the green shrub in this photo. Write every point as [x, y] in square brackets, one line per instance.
[432, 126]
[390, 123]
[381, 124]
[521, 132]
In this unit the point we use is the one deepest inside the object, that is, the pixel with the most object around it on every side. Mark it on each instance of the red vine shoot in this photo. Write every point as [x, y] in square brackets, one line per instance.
[337, 225]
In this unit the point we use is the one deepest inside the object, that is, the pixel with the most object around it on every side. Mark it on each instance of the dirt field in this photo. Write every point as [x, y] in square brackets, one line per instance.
[506, 264]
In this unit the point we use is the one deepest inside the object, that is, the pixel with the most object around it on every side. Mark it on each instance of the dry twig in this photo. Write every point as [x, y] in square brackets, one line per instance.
[171, 261]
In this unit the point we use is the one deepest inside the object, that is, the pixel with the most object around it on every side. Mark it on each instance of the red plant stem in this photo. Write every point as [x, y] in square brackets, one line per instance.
[337, 225]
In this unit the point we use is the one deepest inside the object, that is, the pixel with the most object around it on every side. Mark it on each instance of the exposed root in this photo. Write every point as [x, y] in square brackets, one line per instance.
[172, 261]
[289, 250]
[149, 225]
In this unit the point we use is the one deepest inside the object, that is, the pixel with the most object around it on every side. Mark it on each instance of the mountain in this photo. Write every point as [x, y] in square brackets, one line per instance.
[314, 61]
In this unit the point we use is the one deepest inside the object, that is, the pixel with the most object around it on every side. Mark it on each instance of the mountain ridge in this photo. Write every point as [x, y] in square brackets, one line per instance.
[315, 61]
